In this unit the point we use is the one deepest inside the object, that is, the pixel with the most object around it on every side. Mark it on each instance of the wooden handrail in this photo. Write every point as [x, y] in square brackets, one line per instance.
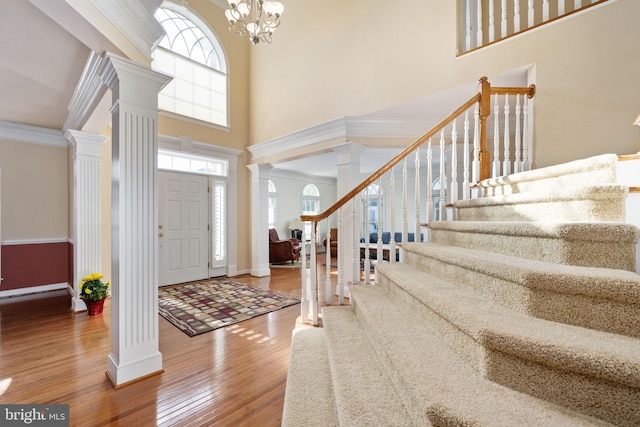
[397, 159]
[483, 98]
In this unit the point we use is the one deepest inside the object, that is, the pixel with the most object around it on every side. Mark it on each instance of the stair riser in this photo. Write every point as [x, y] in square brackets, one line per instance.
[502, 368]
[561, 211]
[596, 313]
[613, 403]
[586, 253]
[593, 171]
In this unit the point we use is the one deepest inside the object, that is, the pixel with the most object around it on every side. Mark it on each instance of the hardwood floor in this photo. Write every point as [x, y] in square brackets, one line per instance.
[233, 376]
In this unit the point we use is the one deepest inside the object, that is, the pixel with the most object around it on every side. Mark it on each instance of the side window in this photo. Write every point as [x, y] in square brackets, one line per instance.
[272, 204]
[193, 56]
[372, 198]
[310, 205]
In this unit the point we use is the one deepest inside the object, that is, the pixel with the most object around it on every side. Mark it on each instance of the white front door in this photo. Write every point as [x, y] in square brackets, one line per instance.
[183, 221]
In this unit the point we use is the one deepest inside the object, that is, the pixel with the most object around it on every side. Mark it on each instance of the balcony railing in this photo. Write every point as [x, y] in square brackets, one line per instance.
[483, 22]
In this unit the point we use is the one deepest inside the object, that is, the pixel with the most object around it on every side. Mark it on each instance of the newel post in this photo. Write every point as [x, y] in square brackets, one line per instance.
[484, 112]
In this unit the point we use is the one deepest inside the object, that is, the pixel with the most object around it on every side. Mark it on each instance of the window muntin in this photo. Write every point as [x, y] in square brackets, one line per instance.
[190, 163]
[310, 205]
[372, 198]
[192, 55]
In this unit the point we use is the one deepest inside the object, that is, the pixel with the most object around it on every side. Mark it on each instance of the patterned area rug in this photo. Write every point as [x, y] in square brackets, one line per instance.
[200, 307]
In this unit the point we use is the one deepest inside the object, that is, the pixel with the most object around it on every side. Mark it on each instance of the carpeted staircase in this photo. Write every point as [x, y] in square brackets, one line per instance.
[525, 311]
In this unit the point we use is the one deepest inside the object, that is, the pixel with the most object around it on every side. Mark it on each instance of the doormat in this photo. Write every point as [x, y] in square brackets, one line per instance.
[199, 307]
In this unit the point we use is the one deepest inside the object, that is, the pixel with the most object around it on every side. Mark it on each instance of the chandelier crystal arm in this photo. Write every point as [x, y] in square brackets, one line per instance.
[256, 19]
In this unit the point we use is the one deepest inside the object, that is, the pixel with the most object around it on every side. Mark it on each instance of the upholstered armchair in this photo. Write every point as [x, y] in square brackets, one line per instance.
[281, 251]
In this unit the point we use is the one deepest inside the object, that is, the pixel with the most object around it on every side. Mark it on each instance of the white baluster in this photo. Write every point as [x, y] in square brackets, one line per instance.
[328, 294]
[577, 4]
[525, 136]
[341, 256]
[506, 164]
[454, 163]
[304, 298]
[561, 7]
[516, 16]
[429, 217]
[417, 196]
[531, 14]
[496, 139]
[476, 144]
[313, 295]
[405, 222]
[545, 10]
[379, 254]
[465, 166]
[367, 238]
[492, 27]
[443, 179]
[503, 21]
[479, 34]
[518, 160]
[392, 222]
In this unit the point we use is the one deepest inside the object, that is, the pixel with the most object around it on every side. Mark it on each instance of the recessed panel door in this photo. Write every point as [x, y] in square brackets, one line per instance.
[183, 222]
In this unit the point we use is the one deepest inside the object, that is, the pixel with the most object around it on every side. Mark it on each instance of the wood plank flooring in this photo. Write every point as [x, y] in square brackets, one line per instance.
[233, 376]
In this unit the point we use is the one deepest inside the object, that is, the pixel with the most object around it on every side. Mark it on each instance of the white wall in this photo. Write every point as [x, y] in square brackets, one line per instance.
[289, 187]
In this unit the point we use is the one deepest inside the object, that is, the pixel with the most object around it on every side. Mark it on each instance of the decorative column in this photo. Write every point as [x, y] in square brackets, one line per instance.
[85, 208]
[349, 233]
[134, 259]
[260, 219]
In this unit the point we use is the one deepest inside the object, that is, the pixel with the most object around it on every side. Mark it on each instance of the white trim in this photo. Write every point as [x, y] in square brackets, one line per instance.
[32, 134]
[343, 128]
[134, 20]
[34, 290]
[192, 120]
[301, 176]
[87, 95]
[185, 144]
[35, 241]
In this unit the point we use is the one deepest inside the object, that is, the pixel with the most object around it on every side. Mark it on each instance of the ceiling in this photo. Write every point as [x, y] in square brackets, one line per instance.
[43, 59]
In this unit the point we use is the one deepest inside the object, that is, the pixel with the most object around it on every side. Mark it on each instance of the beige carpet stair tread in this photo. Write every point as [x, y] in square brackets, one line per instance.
[603, 202]
[594, 170]
[436, 382]
[610, 357]
[597, 298]
[365, 395]
[309, 399]
[596, 244]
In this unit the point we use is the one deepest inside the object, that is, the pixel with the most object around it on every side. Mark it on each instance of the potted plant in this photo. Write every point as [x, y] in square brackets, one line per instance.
[93, 292]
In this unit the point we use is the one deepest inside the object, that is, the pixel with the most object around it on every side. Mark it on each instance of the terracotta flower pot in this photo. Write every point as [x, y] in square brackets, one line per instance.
[94, 307]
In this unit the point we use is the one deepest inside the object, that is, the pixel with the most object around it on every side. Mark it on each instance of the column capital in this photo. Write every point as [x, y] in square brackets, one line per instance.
[259, 170]
[349, 153]
[85, 143]
[130, 81]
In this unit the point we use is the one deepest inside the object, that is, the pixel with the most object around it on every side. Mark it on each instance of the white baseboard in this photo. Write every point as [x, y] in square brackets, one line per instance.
[33, 290]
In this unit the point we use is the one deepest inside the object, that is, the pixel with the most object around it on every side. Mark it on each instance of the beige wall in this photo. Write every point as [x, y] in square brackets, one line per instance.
[352, 58]
[35, 191]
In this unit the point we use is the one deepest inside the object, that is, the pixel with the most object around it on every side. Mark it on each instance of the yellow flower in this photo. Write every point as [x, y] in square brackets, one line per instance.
[109, 283]
[88, 291]
[96, 276]
[87, 278]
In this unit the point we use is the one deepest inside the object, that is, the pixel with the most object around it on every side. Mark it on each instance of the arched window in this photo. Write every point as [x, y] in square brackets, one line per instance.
[271, 203]
[310, 205]
[372, 198]
[193, 56]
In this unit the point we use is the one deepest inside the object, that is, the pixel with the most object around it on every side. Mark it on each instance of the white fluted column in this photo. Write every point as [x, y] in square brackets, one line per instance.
[260, 219]
[85, 208]
[134, 334]
[349, 235]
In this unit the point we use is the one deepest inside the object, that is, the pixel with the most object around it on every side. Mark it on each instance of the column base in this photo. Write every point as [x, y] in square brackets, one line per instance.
[122, 375]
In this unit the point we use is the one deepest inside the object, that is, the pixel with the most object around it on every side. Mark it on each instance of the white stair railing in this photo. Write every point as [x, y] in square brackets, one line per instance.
[476, 31]
[457, 160]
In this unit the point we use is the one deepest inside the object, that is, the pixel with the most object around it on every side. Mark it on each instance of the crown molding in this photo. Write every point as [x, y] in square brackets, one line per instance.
[136, 22]
[301, 176]
[88, 93]
[342, 129]
[32, 134]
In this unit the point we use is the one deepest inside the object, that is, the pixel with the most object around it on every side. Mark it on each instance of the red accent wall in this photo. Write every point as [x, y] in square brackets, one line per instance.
[35, 264]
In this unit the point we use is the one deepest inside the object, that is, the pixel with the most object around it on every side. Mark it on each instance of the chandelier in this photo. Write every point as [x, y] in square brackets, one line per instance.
[256, 19]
